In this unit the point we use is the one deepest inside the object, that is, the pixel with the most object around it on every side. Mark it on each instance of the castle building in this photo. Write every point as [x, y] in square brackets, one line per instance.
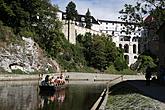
[128, 41]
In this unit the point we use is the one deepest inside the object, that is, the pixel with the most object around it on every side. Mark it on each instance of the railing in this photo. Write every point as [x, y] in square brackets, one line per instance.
[101, 101]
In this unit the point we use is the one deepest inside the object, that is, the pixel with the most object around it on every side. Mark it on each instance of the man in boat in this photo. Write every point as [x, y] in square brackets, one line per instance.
[46, 81]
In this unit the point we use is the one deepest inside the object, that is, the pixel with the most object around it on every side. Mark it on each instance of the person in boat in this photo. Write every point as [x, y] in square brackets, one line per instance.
[62, 79]
[46, 81]
[61, 76]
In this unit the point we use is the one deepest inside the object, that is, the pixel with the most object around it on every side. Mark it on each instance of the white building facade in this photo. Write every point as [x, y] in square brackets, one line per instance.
[127, 41]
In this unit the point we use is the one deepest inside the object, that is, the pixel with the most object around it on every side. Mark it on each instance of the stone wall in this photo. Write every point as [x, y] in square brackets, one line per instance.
[75, 30]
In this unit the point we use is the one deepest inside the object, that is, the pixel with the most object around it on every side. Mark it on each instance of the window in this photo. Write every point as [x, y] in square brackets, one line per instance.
[120, 46]
[106, 23]
[106, 31]
[135, 57]
[112, 23]
[134, 39]
[121, 39]
[134, 48]
[91, 20]
[112, 32]
[82, 19]
[126, 57]
[121, 24]
[126, 48]
[106, 27]
[127, 38]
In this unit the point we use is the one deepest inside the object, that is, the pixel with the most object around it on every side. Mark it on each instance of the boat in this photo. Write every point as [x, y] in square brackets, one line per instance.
[51, 87]
[52, 84]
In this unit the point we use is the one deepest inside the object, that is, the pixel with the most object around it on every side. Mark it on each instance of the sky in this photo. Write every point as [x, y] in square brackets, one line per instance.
[100, 9]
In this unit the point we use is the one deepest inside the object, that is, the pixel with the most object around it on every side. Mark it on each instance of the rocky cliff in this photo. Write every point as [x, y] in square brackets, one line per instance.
[25, 56]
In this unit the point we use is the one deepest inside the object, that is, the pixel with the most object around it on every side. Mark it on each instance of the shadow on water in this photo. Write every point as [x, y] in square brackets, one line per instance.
[154, 91]
[74, 97]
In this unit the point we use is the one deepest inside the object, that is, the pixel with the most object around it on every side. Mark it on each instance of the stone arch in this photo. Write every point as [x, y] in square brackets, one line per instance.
[134, 48]
[126, 48]
[120, 46]
[126, 58]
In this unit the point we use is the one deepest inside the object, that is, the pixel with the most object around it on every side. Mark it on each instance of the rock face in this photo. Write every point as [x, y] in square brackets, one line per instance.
[26, 56]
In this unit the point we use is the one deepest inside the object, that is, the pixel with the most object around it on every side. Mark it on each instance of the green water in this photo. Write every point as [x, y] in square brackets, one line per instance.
[25, 96]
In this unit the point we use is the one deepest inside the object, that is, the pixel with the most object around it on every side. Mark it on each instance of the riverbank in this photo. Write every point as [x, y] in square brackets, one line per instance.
[74, 76]
[125, 96]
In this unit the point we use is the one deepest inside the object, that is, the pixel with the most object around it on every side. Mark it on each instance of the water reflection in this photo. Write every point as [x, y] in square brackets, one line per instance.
[50, 100]
[18, 96]
[26, 96]
[74, 97]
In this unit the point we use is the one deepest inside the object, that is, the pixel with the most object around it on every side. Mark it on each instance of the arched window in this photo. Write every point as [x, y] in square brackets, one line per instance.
[135, 57]
[126, 48]
[134, 48]
[126, 58]
[120, 46]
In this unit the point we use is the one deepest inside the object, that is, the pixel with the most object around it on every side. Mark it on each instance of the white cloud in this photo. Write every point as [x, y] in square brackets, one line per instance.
[100, 9]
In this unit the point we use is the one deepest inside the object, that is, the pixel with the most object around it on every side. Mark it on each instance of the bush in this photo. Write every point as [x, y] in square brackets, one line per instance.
[128, 72]
[18, 71]
[2, 71]
[111, 70]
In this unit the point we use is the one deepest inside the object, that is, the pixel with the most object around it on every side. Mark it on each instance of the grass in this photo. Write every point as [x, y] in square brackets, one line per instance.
[112, 70]
[124, 97]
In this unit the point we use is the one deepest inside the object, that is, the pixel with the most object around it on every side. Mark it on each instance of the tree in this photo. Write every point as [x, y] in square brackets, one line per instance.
[137, 13]
[88, 19]
[71, 14]
[100, 52]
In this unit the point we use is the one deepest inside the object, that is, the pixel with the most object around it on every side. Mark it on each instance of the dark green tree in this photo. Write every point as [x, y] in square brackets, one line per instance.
[88, 19]
[98, 56]
[100, 52]
[71, 12]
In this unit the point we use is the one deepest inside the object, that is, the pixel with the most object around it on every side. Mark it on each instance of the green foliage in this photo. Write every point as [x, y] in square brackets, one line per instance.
[98, 59]
[4, 32]
[2, 71]
[88, 19]
[71, 12]
[7, 36]
[37, 19]
[120, 63]
[143, 8]
[100, 52]
[145, 60]
[112, 70]
[18, 71]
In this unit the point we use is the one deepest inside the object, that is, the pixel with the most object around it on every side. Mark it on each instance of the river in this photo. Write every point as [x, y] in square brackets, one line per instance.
[25, 95]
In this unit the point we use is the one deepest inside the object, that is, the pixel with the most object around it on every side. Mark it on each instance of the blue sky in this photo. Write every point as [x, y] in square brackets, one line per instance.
[100, 9]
